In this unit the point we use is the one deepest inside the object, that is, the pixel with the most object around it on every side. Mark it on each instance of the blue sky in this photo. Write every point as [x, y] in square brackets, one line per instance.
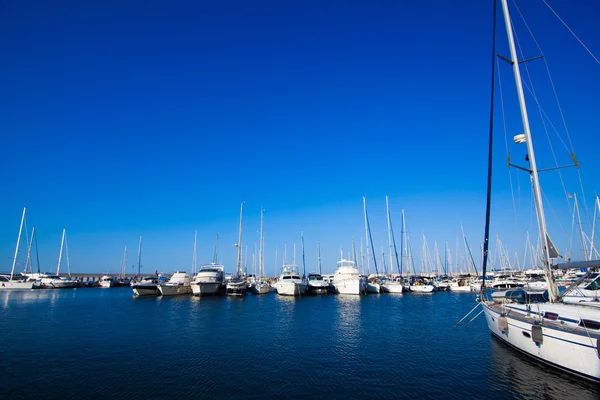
[128, 118]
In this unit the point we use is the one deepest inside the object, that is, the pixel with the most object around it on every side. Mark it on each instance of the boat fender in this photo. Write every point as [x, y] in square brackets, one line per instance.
[503, 323]
[537, 335]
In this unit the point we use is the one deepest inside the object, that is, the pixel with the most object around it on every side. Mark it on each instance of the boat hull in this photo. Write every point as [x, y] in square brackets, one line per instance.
[236, 288]
[145, 290]
[290, 288]
[353, 286]
[174, 290]
[18, 285]
[207, 288]
[422, 288]
[571, 350]
[392, 287]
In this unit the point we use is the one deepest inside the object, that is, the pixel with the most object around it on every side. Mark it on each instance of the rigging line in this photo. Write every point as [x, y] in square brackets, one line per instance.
[490, 153]
[572, 149]
[533, 93]
[573, 33]
[512, 192]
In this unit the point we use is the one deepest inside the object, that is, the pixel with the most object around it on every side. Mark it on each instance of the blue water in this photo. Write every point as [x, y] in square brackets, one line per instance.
[104, 343]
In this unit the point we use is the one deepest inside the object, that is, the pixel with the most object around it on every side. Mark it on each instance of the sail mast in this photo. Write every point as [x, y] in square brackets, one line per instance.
[12, 271]
[239, 244]
[319, 255]
[140, 258]
[387, 209]
[62, 242]
[537, 195]
[261, 265]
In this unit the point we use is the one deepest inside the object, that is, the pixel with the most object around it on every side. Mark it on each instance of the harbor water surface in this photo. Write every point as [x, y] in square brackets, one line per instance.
[105, 343]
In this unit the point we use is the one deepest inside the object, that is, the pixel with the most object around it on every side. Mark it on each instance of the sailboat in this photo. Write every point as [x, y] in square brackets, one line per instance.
[373, 284]
[57, 281]
[261, 286]
[11, 282]
[238, 285]
[551, 331]
[391, 285]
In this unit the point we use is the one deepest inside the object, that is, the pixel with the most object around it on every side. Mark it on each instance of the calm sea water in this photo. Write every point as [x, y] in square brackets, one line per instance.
[104, 343]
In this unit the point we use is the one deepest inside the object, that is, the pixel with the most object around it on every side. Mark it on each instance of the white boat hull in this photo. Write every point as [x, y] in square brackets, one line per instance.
[318, 288]
[261, 288]
[291, 288]
[106, 284]
[206, 288]
[354, 286]
[373, 287]
[145, 290]
[421, 288]
[18, 285]
[573, 350]
[392, 287]
[463, 289]
[174, 290]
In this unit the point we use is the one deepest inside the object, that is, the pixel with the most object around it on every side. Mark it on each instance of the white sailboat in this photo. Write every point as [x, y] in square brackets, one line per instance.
[261, 286]
[373, 283]
[12, 282]
[553, 332]
[391, 285]
[238, 284]
[57, 281]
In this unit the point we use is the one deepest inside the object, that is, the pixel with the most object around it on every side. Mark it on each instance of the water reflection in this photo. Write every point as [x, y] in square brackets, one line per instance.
[528, 378]
[348, 328]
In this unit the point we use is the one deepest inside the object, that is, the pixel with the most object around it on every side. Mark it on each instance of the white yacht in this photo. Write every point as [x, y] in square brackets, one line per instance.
[347, 279]
[317, 285]
[210, 280]
[106, 281]
[179, 284]
[148, 286]
[290, 283]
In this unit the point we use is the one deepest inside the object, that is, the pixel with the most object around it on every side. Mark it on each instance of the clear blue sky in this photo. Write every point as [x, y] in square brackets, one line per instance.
[155, 118]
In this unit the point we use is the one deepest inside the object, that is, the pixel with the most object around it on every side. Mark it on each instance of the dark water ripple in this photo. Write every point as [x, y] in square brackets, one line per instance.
[104, 343]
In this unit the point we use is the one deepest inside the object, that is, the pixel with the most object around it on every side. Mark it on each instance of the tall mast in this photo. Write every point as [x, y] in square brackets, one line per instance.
[537, 195]
[67, 251]
[194, 256]
[303, 258]
[62, 242]
[124, 262]
[238, 270]
[367, 236]
[319, 255]
[140, 258]
[387, 209]
[261, 265]
[402, 240]
[29, 262]
[353, 252]
[216, 252]
[12, 271]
